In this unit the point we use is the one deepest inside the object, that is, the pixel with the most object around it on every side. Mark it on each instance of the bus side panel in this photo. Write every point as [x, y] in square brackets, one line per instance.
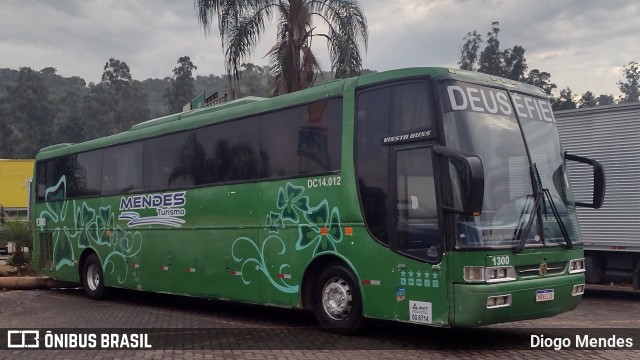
[226, 218]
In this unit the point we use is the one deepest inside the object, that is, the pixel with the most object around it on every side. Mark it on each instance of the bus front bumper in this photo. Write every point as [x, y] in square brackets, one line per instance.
[484, 304]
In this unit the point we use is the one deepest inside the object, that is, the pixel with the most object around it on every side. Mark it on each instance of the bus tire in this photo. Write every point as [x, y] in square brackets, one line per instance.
[594, 273]
[337, 303]
[93, 279]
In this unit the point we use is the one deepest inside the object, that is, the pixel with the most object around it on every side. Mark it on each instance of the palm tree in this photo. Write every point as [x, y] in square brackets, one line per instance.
[293, 65]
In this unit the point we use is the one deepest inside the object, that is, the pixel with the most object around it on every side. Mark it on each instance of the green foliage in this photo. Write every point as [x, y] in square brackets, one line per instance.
[469, 52]
[565, 101]
[294, 66]
[182, 88]
[510, 63]
[541, 79]
[254, 81]
[491, 61]
[631, 87]
[19, 260]
[19, 232]
[29, 114]
[115, 104]
[605, 100]
[587, 100]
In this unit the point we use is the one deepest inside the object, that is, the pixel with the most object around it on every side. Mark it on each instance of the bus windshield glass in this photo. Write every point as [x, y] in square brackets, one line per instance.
[484, 121]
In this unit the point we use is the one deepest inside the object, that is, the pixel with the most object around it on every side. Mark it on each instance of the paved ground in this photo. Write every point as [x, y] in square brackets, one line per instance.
[188, 328]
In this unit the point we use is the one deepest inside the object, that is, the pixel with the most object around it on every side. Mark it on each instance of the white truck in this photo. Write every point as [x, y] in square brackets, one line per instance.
[611, 135]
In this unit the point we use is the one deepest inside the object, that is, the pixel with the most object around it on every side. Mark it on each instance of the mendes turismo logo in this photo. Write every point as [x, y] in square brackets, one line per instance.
[23, 339]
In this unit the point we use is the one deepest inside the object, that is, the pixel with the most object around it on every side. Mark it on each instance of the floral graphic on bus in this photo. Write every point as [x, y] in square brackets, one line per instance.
[322, 229]
[291, 202]
[318, 228]
[75, 225]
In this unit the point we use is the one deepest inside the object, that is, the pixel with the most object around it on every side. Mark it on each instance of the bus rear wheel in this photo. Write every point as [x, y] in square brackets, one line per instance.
[337, 300]
[93, 278]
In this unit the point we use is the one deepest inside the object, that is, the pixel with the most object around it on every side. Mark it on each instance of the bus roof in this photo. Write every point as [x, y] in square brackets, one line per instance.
[254, 105]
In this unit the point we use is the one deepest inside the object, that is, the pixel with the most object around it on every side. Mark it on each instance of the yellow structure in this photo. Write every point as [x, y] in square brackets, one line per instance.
[14, 185]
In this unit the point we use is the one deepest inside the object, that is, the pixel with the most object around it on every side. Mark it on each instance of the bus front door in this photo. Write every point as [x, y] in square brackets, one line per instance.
[421, 288]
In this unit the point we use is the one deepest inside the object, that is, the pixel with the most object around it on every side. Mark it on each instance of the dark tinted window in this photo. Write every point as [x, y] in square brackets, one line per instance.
[302, 140]
[83, 173]
[383, 112]
[228, 152]
[172, 161]
[122, 169]
[48, 177]
[297, 141]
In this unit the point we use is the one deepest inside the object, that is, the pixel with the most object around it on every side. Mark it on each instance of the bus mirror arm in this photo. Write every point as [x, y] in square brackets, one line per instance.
[471, 174]
[599, 180]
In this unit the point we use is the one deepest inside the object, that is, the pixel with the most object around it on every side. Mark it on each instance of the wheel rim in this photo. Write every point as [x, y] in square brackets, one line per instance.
[337, 298]
[93, 277]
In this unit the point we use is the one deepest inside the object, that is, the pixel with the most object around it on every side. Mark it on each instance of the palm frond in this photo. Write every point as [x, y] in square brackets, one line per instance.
[294, 66]
[347, 28]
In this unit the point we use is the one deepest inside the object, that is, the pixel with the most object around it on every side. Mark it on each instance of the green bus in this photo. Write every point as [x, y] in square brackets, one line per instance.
[424, 195]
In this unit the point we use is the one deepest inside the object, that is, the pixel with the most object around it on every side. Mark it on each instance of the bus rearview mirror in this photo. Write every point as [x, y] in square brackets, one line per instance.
[466, 180]
[599, 180]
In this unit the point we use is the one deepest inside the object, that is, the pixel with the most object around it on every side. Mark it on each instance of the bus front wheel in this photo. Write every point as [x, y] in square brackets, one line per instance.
[337, 301]
[93, 279]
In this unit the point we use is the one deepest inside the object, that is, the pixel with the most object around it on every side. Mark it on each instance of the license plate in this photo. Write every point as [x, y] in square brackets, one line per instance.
[544, 295]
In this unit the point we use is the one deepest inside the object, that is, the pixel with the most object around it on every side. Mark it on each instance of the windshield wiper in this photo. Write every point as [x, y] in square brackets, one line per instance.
[541, 195]
[561, 225]
[521, 233]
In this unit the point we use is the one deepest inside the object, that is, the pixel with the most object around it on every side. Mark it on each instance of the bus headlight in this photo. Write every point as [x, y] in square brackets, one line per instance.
[489, 274]
[500, 274]
[498, 301]
[474, 273]
[576, 266]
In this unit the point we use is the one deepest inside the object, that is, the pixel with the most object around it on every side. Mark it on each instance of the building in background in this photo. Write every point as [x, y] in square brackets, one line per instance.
[15, 176]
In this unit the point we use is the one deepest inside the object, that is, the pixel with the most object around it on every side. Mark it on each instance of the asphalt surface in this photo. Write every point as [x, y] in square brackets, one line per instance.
[190, 328]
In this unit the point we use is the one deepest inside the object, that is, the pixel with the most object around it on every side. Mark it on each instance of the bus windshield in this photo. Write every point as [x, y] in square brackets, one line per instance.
[484, 121]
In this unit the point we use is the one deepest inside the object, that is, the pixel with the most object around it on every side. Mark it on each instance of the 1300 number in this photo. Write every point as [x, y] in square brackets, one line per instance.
[500, 260]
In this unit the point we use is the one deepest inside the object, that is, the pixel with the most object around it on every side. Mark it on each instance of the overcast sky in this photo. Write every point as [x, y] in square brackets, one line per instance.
[583, 43]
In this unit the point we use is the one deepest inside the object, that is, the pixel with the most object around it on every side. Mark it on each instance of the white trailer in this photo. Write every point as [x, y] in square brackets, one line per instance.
[610, 135]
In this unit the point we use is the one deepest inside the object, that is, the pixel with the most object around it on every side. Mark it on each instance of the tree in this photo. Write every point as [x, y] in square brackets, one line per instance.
[114, 104]
[630, 88]
[68, 125]
[97, 113]
[510, 63]
[254, 80]
[565, 101]
[128, 99]
[116, 73]
[605, 100]
[182, 89]
[6, 134]
[514, 63]
[293, 64]
[541, 79]
[490, 61]
[587, 100]
[19, 233]
[469, 52]
[32, 114]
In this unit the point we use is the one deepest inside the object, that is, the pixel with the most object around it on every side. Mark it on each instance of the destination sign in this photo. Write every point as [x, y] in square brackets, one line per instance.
[475, 98]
